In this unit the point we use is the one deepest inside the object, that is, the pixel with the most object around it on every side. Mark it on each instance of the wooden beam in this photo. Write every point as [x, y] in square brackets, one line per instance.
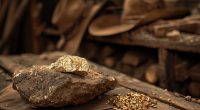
[186, 42]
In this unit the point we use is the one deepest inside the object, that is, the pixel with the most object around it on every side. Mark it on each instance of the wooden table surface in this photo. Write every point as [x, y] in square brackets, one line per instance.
[11, 100]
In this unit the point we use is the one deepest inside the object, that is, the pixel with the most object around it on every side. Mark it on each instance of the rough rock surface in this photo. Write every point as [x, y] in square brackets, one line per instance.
[42, 86]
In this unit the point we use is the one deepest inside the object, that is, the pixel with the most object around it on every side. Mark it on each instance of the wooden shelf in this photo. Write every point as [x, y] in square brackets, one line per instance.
[186, 43]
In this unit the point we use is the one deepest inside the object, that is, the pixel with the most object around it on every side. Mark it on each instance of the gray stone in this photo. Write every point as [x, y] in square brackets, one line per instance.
[43, 87]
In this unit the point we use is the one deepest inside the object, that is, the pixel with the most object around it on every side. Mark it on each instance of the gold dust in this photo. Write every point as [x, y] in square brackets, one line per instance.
[132, 101]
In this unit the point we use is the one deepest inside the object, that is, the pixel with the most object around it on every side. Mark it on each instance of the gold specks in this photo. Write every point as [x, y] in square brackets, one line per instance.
[132, 101]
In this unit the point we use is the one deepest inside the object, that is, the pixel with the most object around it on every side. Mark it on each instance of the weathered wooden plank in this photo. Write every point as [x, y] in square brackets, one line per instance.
[124, 91]
[150, 90]
[10, 99]
[189, 24]
[8, 64]
[186, 42]
[11, 63]
[101, 104]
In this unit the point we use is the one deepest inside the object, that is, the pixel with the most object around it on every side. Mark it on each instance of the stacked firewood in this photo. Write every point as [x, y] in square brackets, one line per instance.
[137, 62]
[187, 72]
[142, 63]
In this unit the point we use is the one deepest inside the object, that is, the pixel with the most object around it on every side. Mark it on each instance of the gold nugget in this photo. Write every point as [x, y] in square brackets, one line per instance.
[71, 64]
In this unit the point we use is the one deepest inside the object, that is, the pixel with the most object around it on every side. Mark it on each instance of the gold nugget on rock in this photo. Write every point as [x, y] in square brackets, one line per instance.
[72, 64]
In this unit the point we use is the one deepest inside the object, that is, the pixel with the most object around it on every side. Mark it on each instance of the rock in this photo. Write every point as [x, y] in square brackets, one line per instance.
[43, 87]
[188, 98]
[69, 63]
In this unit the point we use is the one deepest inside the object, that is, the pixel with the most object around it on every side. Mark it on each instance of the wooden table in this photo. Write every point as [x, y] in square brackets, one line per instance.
[10, 99]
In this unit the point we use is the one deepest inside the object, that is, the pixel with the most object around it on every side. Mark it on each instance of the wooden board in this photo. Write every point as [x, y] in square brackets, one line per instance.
[10, 99]
[186, 43]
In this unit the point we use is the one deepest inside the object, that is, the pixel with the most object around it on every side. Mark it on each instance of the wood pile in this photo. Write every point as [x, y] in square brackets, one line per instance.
[143, 64]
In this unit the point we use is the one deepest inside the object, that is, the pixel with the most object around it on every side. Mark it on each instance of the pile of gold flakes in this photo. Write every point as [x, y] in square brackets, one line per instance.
[132, 101]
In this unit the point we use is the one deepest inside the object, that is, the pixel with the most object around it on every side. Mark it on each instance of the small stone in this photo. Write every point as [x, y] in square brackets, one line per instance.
[154, 106]
[198, 101]
[188, 98]
[177, 94]
[193, 100]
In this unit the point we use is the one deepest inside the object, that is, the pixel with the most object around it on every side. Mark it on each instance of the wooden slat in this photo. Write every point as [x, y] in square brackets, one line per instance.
[10, 99]
[119, 90]
[124, 91]
[186, 43]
